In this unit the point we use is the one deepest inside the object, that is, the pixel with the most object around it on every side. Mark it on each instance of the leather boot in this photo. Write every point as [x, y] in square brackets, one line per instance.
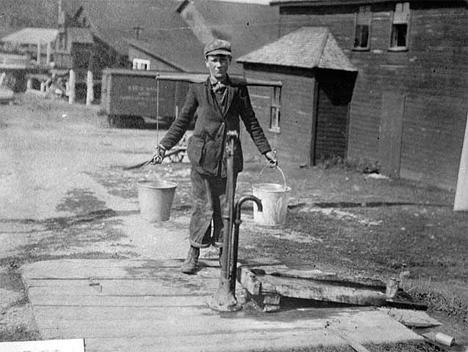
[190, 264]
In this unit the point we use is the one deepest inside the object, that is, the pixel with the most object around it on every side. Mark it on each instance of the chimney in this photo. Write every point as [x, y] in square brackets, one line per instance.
[195, 21]
[59, 9]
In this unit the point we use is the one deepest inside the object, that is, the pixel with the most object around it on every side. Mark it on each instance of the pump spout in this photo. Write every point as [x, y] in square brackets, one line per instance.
[243, 200]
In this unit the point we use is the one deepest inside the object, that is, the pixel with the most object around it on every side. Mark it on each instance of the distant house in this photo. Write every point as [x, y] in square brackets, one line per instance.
[37, 43]
[80, 48]
[26, 50]
[408, 107]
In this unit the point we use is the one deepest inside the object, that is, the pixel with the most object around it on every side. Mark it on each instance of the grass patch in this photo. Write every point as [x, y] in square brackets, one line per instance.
[19, 333]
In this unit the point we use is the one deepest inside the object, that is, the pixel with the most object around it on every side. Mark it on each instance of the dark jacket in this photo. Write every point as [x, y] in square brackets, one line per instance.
[206, 146]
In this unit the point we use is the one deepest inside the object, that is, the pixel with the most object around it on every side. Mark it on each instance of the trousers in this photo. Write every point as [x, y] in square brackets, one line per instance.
[209, 205]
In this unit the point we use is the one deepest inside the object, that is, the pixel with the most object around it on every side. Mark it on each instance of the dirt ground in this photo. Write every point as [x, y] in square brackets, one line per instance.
[64, 194]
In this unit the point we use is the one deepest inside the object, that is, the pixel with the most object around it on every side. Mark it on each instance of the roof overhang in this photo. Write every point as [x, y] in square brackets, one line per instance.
[186, 77]
[306, 48]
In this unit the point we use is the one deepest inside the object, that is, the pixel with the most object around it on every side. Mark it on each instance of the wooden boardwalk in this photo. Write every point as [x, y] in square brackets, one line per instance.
[143, 305]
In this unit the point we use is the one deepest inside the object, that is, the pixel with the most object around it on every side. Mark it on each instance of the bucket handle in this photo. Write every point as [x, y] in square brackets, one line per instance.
[279, 169]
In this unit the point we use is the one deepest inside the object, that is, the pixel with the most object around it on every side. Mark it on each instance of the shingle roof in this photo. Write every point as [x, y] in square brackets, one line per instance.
[32, 36]
[308, 47]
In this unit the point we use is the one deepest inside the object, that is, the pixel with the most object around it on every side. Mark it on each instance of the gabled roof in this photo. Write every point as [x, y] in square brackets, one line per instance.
[308, 47]
[179, 49]
[32, 36]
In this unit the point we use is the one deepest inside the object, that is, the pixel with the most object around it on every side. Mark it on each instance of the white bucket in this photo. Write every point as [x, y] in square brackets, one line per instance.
[155, 199]
[275, 200]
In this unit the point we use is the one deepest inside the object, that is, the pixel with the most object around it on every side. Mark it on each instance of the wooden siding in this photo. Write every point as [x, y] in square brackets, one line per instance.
[432, 139]
[293, 141]
[432, 73]
[331, 130]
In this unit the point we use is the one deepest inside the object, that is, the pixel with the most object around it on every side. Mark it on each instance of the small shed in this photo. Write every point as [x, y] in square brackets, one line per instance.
[38, 43]
[309, 122]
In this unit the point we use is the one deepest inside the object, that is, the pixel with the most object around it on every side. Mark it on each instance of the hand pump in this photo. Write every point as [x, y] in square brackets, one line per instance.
[224, 298]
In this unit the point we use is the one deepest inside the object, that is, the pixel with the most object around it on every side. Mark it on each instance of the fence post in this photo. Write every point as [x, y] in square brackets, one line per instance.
[71, 87]
[90, 88]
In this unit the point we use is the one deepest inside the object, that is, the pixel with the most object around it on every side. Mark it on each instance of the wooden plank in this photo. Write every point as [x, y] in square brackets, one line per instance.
[107, 287]
[411, 318]
[267, 303]
[312, 289]
[199, 325]
[371, 323]
[114, 269]
[315, 274]
[118, 301]
[227, 342]
[351, 342]
[107, 313]
[249, 341]
[249, 281]
[316, 290]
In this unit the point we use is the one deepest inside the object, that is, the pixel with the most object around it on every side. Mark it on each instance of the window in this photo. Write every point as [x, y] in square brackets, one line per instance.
[275, 110]
[400, 27]
[62, 41]
[140, 64]
[362, 28]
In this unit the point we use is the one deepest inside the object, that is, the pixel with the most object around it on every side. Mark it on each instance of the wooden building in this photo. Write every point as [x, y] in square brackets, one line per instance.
[37, 43]
[309, 122]
[409, 104]
[81, 48]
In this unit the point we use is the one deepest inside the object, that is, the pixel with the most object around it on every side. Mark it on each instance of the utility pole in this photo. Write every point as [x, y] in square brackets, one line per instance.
[137, 30]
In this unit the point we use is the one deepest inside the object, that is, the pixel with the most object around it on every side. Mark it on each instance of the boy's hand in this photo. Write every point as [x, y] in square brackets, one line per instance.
[271, 157]
[158, 155]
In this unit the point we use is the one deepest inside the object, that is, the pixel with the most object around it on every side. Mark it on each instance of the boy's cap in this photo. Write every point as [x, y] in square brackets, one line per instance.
[217, 47]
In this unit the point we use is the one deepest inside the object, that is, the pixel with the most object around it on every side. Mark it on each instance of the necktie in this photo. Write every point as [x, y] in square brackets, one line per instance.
[219, 87]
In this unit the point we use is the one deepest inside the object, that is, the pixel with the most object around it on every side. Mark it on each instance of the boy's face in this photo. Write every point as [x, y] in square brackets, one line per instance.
[218, 65]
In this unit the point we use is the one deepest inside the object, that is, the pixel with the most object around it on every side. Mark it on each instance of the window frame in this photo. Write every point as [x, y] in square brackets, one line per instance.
[400, 17]
[137, 64]
[275, 110]
[363, 17]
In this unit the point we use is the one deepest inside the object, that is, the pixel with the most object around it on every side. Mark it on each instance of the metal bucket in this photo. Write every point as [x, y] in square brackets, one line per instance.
[155, 199]
[275, 200]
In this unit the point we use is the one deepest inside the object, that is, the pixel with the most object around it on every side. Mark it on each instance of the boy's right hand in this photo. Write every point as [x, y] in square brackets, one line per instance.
[158, 155]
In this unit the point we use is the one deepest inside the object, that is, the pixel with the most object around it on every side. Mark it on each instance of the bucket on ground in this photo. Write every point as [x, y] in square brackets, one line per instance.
[275, 200]
[155, 199]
